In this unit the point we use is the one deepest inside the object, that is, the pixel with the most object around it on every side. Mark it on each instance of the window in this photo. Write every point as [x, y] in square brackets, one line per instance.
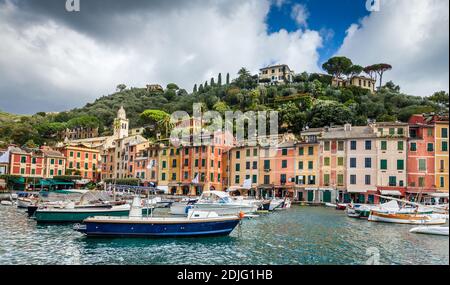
[392, 131]
[413, 147]
[86, 166]
[203, 162]
[283, 178]
[444, 133]
[300, 165]
[400, 164]
[86, 156]
[284, 164]
[422, 165]
[421, 182]
[255, 152]
[444, 146]
[310, 165]
[238, 154]
[267, 164]
[430, 147]
[238, 167]
[237, 179]
[392, 181]
[247, 165]
[311, 179]
[211, 177]
[368, 162]
[163, 177]
[383, 145]
[352, 162]
[78, 154]
[186, 151]
[368, 145]
[326, 179]
[186, 175]
[266, 179]
[254, 179]
[400, 145]
[367, 180]
[284, 151]
[255, 165]
[22, 171]
[353, 145]
[70, 164]
[326, 161]
[33, 171]
[71, 154]
[247, 153]
[383, 164]
[340, 161]
[442, 168]
[218, 175]
[196, 163]
[353, 179]
[174, 163]
[381, 131]
[164, 164]
[340, 179]
[400, 131]
[186, 162]
[52, 172]
[310, 150]
[430, 132]
[340, 145]
[33, 160]
[441, 182]
[301, 151]
[23, 159]
[327, 146]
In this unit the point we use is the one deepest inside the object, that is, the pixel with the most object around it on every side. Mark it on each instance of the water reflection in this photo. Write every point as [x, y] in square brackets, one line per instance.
[302, 235]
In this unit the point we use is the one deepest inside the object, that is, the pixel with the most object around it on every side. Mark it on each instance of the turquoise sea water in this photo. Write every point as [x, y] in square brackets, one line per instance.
[301, 235]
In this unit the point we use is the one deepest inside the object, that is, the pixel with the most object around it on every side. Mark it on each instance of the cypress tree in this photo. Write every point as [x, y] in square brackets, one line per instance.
[228, 78]
[212, 82]
[206, 83]
[200, 88]
[219, 80]
[195, 88]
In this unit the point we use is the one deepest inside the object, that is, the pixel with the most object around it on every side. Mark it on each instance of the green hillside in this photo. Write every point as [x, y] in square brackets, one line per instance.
[309, 101]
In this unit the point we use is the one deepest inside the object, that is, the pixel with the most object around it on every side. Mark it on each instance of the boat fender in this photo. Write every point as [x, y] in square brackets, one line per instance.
[241, 215]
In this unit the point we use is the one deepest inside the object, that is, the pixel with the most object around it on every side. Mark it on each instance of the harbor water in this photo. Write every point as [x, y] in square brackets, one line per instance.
[300, 235]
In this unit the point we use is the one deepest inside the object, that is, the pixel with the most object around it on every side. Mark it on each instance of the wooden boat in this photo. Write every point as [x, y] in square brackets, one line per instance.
[197, 223]
[433, 230]
[412, 219]
[76, 215]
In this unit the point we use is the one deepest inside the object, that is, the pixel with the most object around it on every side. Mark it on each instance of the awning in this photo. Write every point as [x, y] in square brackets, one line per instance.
[163, 188]
[391, 193]
[311, 189]
[326, 189]
[356, 191]
[439, 195]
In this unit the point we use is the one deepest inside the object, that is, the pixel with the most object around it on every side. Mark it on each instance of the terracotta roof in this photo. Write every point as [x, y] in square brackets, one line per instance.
[354, 133]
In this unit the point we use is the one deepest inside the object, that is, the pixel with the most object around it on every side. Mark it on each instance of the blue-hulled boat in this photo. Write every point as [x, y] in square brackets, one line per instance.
[197, 223]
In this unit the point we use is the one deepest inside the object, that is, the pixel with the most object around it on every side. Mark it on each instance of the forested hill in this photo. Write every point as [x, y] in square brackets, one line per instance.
[309, 101]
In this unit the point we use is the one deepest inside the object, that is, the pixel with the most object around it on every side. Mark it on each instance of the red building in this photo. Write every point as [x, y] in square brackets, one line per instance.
[421, 155]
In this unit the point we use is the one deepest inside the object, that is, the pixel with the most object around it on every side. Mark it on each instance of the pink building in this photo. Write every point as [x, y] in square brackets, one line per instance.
[421, 155]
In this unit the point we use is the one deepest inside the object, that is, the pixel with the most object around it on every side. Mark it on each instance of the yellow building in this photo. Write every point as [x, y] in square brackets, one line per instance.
[276, 74]
[359, 81]
[169, 169]
[441, 154]
[307, 166]
[243, 165]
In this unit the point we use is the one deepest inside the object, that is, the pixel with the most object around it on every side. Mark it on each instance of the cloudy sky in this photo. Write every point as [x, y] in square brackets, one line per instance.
[53, 60]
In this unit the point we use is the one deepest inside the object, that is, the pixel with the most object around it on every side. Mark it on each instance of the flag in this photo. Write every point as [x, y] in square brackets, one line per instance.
[247, 184]
[195, 180]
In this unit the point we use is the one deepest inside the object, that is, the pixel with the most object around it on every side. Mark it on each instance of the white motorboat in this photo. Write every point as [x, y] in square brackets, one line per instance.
[6, 203]
[279, 204]
[221, 203]
[433, 230]
[411, 219]
[181, 208]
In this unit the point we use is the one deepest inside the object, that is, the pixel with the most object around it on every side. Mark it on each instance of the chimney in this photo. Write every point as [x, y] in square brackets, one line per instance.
[347, 127]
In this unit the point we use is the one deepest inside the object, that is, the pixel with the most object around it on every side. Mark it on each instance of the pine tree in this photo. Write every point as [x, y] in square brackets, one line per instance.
[228, 78]
[219, 80]
[200, 88]
[195, 88]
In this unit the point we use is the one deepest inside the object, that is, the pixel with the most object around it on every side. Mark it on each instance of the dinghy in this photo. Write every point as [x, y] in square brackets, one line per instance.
[441, 231]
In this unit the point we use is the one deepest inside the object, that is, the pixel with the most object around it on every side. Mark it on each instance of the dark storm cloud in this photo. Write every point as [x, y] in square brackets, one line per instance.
[106, 20]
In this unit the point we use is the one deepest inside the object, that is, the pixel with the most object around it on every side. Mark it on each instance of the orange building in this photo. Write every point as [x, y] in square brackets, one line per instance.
[82, 160]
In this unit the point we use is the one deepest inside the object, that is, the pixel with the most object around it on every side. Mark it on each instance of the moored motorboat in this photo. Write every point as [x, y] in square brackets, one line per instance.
[181, 208]
[71, 214]
[433, 230]
[222, 204]
[412, 219]
[197, 223]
